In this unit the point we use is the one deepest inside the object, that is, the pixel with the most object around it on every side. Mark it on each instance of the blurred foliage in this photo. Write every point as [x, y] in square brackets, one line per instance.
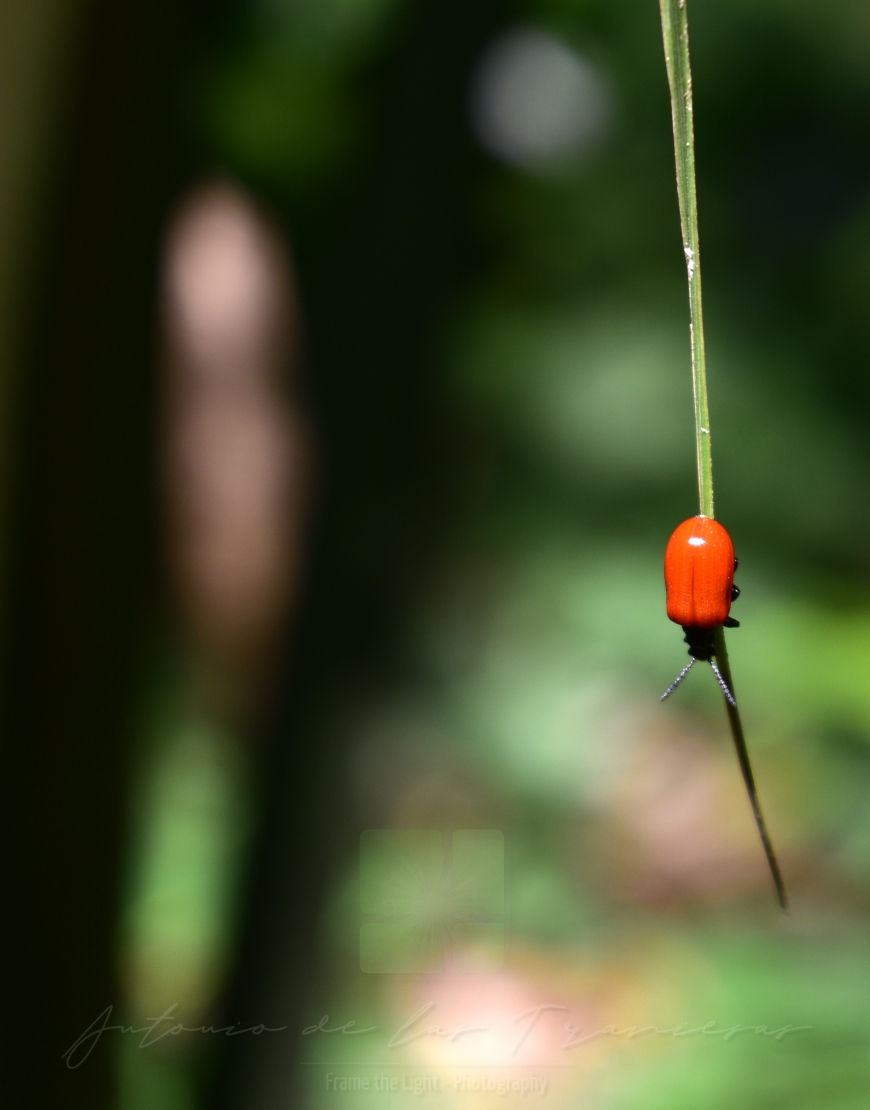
[532, 644]
[283, 104]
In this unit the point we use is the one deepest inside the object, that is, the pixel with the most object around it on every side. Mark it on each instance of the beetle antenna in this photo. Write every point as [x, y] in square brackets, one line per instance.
[723, 684]
[678, 679]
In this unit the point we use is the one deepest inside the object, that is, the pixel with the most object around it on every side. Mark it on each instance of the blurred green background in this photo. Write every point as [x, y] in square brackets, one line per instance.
[478, 201]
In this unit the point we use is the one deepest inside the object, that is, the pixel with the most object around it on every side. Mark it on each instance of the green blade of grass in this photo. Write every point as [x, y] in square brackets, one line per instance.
[746, 770]
[675, 32]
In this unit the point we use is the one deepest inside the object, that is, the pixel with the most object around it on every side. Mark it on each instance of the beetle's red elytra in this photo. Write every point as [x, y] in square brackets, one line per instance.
[699, 573]
[699, 581]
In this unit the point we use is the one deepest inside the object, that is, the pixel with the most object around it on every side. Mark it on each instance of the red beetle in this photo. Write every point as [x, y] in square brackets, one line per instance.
[699, 579]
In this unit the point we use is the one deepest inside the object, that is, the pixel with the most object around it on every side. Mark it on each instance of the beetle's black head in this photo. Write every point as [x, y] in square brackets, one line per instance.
[700, 641]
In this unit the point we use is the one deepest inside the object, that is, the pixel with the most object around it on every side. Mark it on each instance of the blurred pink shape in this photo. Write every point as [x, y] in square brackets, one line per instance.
[559, 1014]
[236, 449]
